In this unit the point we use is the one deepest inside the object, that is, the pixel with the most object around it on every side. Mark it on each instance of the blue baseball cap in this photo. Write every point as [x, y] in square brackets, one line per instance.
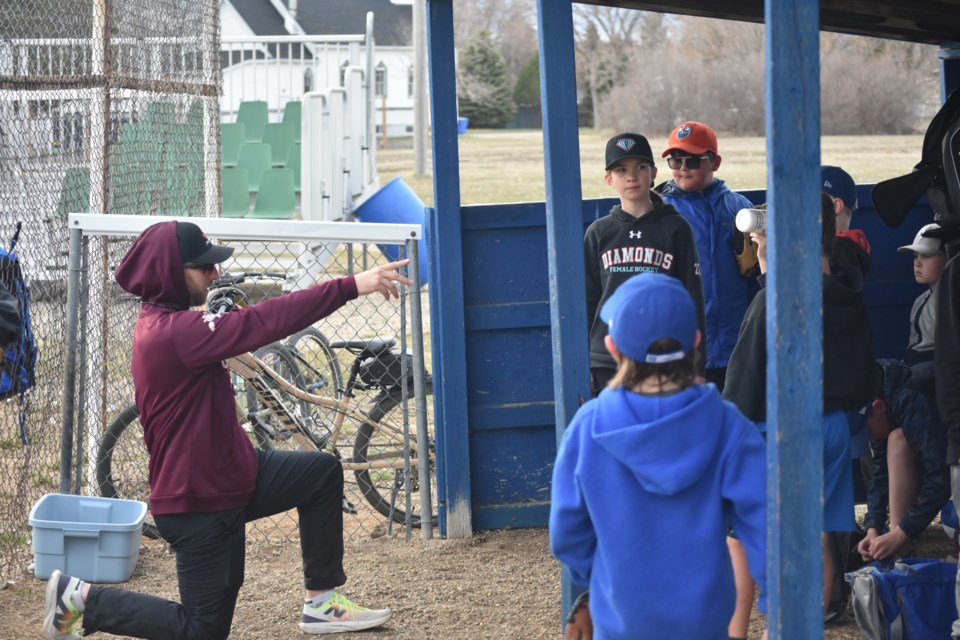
[646, 308]
[839, 184]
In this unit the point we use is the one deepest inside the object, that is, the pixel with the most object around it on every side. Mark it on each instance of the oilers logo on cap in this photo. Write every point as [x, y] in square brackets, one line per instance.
[626, 143]
[683, 132]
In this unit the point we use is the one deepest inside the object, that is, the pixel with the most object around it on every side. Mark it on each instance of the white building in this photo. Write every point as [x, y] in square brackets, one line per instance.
[279, 72]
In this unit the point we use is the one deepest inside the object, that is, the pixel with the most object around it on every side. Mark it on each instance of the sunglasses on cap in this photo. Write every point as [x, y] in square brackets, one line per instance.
[199, 267]
[692, 162]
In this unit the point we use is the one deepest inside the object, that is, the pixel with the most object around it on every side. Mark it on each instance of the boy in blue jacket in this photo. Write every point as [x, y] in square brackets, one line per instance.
[710, 208]
[654, 467]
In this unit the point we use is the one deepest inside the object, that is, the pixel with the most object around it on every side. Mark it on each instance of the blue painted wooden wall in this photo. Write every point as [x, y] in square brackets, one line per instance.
[508, 371]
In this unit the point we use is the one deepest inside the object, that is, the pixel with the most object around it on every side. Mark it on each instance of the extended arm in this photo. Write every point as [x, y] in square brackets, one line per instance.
[879, 489]
[572, 536]
[744, 482]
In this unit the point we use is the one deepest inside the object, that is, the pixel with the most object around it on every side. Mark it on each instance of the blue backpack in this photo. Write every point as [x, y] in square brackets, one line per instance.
[17, 372]
[913, 598]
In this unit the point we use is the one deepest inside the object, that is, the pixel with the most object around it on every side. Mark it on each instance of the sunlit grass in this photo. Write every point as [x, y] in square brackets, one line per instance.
[507, 166]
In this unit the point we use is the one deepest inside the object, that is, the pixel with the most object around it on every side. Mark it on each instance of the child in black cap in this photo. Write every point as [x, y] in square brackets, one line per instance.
[641, 235]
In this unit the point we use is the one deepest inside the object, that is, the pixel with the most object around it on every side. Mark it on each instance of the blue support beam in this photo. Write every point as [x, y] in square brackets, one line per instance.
[794, 321]
[446, 287]
[568, 312]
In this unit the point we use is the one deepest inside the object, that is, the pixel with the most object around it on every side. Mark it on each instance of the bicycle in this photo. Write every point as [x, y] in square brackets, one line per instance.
[292, 394]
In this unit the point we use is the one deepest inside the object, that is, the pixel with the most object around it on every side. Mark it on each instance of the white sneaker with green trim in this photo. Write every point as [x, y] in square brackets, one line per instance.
[338, 615]
[63, 621]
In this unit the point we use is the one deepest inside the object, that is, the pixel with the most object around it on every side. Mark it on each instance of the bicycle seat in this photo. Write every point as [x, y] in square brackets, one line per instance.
[366, 348]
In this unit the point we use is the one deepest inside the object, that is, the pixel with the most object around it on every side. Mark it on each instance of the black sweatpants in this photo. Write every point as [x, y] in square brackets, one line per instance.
[210, 553]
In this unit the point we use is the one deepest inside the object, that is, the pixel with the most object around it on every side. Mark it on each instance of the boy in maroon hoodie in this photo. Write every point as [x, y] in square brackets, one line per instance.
[206, 479]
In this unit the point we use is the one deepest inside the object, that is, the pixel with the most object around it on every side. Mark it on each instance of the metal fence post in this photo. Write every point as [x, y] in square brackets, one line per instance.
[73, 299]
[420, 393]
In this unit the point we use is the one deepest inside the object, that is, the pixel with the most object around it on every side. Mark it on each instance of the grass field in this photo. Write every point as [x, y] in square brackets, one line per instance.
[507, 166]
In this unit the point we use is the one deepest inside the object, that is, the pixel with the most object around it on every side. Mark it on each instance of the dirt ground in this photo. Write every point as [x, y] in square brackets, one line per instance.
[502, 584]
[495, 585]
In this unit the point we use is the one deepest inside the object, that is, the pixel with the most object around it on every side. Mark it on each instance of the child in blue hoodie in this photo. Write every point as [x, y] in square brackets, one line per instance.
[650, 476]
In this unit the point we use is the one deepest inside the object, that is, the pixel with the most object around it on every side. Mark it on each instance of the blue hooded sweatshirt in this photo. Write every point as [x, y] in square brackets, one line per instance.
[726, 293]
[644, 490]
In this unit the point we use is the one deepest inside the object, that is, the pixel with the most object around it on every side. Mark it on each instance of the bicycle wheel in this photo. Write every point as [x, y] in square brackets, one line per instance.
[385, 489]
[319, 365]
[269, 431]
[320, 371]
[123, 463]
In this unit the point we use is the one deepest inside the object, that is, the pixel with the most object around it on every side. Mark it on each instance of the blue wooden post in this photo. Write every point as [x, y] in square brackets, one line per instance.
[794, 321]
[446, 289]
[568, 311]
[949, 68]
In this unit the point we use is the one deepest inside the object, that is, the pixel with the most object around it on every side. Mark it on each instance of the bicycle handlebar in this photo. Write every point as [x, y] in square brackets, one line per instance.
[230, 280]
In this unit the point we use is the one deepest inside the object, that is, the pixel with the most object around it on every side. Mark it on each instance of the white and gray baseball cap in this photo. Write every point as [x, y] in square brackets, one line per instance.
[923, 245]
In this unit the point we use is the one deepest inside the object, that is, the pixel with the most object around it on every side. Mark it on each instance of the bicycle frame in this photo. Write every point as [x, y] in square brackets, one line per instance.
[252, 370]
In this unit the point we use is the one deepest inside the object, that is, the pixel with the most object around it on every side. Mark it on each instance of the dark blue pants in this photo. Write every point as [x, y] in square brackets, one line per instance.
[210, 553]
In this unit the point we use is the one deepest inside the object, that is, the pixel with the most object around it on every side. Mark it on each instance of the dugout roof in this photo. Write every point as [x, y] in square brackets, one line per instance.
[932, 21]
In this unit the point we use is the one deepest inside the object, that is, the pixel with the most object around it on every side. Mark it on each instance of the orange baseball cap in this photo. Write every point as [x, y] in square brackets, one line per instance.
[693, 137]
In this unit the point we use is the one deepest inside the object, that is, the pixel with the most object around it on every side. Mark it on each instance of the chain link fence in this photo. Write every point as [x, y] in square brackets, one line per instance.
[105, 106]
[104, 389]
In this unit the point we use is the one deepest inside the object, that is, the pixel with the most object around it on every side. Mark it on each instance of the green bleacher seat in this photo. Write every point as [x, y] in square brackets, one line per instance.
[75, 192]
[234, 192]
[253, 114]
[291, 115]
[232, 137]
[279, 136]
[255, 158]
[182, 192]
[276, 198]
[293, 163]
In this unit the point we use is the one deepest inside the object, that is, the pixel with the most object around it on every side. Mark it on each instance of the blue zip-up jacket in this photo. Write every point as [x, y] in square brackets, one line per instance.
[644, 491]
[726, 293]
[917, 415]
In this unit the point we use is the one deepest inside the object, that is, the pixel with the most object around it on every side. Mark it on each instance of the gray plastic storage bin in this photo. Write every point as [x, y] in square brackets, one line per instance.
[94, 539]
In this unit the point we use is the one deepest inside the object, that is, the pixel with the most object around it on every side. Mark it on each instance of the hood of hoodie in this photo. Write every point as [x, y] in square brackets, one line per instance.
[713, 191]
[152, 269]
[660, 209]
[842, 296]
[668, 441]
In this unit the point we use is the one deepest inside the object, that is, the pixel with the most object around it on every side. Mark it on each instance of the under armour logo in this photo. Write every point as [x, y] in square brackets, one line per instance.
[635, 236]
[626, 143]
[683, 132]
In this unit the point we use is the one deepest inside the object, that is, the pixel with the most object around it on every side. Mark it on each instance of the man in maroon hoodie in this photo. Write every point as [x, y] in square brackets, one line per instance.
[206, 479]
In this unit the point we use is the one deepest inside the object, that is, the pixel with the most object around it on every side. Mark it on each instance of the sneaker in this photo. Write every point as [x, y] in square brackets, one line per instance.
[836, 612]
[63, 620]
[337, 615]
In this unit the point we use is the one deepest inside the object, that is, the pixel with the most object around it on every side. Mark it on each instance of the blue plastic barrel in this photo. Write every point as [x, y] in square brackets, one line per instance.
[462, 124]
[395, 203]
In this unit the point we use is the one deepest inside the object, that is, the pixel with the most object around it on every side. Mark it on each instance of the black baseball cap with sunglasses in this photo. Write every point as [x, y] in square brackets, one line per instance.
[196, 250]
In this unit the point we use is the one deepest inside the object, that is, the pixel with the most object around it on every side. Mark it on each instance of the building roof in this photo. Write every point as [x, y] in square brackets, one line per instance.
[391, 23]
[930, 21]
[262, 18]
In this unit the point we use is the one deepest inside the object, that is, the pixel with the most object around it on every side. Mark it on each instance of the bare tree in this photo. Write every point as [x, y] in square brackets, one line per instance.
[510, 23]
